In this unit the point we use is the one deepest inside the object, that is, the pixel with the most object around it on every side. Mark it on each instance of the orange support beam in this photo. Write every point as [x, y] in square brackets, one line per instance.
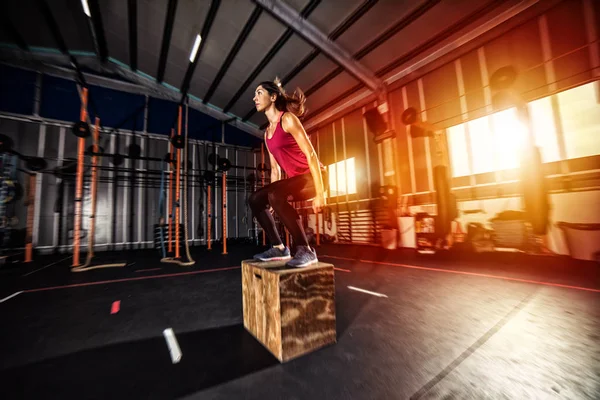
[224, 212]
[208, 220]
[170, 205]
[79, 181]
[177, 190]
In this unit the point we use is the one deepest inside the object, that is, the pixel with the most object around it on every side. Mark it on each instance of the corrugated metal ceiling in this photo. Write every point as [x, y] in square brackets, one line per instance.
[377, 33]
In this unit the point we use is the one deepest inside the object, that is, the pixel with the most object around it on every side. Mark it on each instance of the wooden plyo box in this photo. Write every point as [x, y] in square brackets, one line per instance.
[291, 311]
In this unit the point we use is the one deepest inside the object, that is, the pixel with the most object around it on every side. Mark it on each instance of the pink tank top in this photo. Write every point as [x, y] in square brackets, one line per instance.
[286, 152]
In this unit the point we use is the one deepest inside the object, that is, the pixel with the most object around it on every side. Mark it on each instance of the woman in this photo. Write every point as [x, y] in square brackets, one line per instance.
[291, 150]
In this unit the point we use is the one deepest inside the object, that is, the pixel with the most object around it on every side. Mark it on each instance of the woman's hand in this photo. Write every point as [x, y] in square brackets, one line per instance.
[318, 203]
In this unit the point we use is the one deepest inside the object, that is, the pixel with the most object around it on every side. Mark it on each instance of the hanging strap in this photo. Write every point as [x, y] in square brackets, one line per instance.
[161, 207]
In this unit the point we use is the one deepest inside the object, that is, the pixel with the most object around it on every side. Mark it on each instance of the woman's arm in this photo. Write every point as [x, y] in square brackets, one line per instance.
[292, 125]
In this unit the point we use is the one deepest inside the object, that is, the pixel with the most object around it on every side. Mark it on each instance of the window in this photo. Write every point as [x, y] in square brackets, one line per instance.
[346, 178]
[459, 154]
[482, 147]
[544, 130]
[509, 135]
[580, 118]
[496, 140]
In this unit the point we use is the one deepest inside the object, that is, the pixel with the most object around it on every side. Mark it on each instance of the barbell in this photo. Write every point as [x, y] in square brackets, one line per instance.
[35, 164]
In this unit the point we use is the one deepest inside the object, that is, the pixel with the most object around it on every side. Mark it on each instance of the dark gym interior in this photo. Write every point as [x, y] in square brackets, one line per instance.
[459, 243]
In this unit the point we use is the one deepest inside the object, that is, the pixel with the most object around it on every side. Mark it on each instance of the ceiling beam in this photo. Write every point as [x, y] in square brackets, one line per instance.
[341, 104]
[62, 46]
[133, 38]
[397, 27]
[65, 71]
[173, 95]
[372, 45]
[233, 52]
[98, 30]
[60, 66]
[337, 32]
[310, 7]
[208, 22]
[441, 36]
[166, 40]
[289, 17]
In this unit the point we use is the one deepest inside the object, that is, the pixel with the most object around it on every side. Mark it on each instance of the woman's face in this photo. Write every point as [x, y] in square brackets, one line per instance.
[262, 99]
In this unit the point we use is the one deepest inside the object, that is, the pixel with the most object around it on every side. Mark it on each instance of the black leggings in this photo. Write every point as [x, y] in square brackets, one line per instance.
[277, 195]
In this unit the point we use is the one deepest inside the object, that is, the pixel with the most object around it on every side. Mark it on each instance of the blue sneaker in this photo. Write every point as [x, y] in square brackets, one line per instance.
[274, 254]
[304, 257]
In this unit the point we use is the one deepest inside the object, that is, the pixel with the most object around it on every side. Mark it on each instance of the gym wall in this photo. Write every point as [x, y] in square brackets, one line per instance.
[37, 112]
[455, 91]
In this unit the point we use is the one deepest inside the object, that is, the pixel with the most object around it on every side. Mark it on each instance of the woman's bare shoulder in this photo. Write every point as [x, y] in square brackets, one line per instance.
[290, 121]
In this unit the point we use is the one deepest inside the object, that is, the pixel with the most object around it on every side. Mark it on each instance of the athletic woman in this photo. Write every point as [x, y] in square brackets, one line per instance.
[291, 150]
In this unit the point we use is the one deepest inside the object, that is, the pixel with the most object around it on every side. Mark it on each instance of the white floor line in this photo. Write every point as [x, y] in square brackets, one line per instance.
[174, 349]
[11, 296]
[366, 291]
[49, 265]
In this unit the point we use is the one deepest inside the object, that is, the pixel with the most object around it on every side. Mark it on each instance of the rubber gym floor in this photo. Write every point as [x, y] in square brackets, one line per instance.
[485, 326]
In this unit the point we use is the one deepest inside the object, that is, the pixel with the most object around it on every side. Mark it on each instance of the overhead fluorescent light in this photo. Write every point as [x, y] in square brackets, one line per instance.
[194, 49]
[86, 8]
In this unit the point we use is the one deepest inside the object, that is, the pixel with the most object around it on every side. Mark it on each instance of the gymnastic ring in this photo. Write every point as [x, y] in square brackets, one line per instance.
[178, 142]
[503, 78]
[409, 116]
[81, 129]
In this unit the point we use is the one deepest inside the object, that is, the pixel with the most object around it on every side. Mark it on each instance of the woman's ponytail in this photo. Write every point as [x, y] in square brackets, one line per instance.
[293, 103]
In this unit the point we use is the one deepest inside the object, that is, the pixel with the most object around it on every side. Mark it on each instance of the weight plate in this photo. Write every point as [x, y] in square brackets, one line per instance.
[409, 116]
[134, 150]
[35, 164]
[178, 142]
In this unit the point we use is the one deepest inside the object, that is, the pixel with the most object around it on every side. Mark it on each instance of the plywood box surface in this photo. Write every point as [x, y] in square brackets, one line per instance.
[291, 311]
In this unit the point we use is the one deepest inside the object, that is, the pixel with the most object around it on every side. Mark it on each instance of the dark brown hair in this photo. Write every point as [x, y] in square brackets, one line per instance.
[293, 103]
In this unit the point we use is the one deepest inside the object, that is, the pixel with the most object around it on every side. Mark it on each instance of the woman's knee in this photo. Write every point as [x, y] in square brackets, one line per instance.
[256, 201]
[273, 198]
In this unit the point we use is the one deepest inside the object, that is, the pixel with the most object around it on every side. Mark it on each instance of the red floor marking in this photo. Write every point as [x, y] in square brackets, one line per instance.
[148, 270]
[481, 275]
[340, 269]
[341, 258]
[129, 279]
[116, 306]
